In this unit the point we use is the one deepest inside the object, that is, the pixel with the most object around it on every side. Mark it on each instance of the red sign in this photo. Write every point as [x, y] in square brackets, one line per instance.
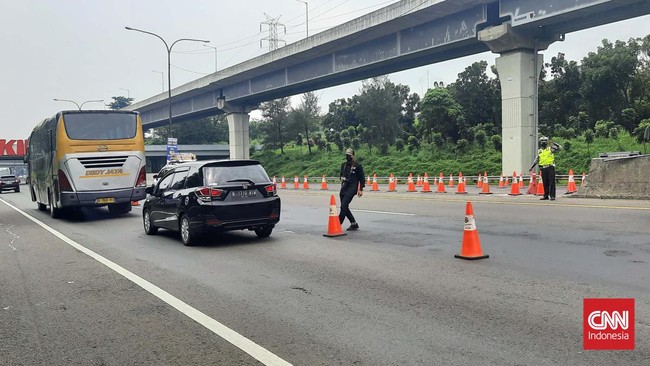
[608, 324]
[13, 147]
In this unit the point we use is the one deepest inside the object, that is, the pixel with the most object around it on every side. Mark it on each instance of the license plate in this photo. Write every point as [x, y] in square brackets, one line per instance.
[105, 200]
[244, 194]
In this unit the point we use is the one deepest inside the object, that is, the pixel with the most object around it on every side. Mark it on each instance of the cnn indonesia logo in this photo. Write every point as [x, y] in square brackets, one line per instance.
[608, 324]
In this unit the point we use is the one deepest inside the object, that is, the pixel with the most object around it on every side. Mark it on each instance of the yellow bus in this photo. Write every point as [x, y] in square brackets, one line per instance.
[86, 159]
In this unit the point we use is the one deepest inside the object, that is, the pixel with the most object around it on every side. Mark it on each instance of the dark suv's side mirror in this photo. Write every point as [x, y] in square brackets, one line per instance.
[149, 190]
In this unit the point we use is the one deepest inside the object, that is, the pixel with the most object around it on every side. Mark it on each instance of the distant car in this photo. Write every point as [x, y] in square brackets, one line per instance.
[9, 182]
[215, 195]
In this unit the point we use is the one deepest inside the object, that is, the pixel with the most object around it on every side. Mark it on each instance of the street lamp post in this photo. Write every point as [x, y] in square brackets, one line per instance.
[306, 15]
[215, 56]
[128, 92]
[169, 66]
[77, 104]
[162, 79]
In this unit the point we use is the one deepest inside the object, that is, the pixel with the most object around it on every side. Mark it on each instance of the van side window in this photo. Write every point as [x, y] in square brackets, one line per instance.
[193, 178]
[164, 183]
[179, 180]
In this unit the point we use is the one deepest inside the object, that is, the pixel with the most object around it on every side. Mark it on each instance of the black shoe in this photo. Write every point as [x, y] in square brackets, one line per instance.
[353, 227]
[552, 198]
[543, 199]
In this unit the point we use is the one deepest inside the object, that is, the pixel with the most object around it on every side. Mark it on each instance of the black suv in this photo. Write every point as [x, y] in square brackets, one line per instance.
[196, 197]
[9, 182]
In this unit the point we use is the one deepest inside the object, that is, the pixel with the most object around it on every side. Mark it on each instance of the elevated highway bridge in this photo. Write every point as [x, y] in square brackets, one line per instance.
[403, 35]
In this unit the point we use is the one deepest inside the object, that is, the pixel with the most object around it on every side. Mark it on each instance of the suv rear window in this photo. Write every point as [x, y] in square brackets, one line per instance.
[223, 174]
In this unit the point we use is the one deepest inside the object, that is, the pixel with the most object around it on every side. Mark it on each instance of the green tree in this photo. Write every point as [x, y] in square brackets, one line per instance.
[379, 109]
[413, 143]
[439, 112]
[461, 146]
[496, 142]
[477, 94]
[399, 145]
[589, 139]
[607, 78]
[119, 102]
[276, 116]
[560, 96]
[481, 138]
[639, 131]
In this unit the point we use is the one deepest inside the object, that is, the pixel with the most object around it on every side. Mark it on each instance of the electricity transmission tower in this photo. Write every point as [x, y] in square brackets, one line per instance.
[273, 38]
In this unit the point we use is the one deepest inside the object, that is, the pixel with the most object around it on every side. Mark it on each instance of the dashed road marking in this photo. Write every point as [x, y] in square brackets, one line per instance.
[253, 349]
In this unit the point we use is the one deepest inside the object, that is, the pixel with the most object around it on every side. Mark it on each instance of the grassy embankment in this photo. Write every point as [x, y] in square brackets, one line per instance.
[431, 159]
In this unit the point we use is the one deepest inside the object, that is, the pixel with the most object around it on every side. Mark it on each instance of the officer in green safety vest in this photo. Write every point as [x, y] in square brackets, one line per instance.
[546, 161]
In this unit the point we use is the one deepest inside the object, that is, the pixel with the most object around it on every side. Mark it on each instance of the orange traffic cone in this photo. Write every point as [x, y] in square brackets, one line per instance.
[426, 188]
[582, 181]
[506, 181]
[471, 246]
[479, 182]
[451, 181]
[501, 183]
[375, 185]
[532, 186]
[391, 183]
[368, 182]
[486, 185]
[514, 189]
[323, 183]
[461, 184]
[540, 187]
[305, 183]
[411, 184]
[296, 182]
[334, 225]
[441, 185]
[283, 185]
[418, 182]
[521, 181]
[571, 186]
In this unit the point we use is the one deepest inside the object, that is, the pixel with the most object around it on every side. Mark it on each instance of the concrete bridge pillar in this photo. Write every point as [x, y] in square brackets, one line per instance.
[519, 67]
[238, 137]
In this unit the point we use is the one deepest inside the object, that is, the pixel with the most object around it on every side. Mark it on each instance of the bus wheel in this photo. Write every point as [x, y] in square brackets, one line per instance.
[55, 213]
[120, 208]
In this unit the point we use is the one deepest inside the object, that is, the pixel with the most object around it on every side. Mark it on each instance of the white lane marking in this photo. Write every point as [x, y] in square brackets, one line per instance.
[387, 213]
[256, 351]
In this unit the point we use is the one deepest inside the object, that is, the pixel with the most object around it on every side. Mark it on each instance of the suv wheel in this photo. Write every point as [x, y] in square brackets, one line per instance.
[188, 236]
[149, 229]
[264, 231]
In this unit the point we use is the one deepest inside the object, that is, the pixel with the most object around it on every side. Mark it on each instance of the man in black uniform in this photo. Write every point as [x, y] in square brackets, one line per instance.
[351, 183]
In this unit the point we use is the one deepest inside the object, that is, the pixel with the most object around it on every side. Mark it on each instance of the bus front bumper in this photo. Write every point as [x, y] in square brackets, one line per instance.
[102, 198]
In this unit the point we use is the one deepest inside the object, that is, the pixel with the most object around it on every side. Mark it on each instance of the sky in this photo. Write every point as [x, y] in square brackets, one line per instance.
[80, 50]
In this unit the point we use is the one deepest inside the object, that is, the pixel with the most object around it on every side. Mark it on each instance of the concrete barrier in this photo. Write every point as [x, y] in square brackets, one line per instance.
[622, 177]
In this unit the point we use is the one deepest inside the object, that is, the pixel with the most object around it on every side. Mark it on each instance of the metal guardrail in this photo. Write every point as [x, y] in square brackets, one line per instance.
[384, 180]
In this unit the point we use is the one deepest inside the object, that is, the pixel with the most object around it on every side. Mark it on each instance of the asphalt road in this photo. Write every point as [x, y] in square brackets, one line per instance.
[389, 294]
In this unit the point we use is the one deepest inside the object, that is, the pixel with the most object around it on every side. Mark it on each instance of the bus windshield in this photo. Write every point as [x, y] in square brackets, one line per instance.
[100, 126]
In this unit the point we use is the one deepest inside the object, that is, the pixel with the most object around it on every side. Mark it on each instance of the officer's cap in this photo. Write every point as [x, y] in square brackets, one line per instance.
[349, 152]
[543, 138]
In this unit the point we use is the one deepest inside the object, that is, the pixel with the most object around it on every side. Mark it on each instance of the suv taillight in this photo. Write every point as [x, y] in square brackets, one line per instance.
[142, 178]
[207, 194]
[271, 190]
[64, 183]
